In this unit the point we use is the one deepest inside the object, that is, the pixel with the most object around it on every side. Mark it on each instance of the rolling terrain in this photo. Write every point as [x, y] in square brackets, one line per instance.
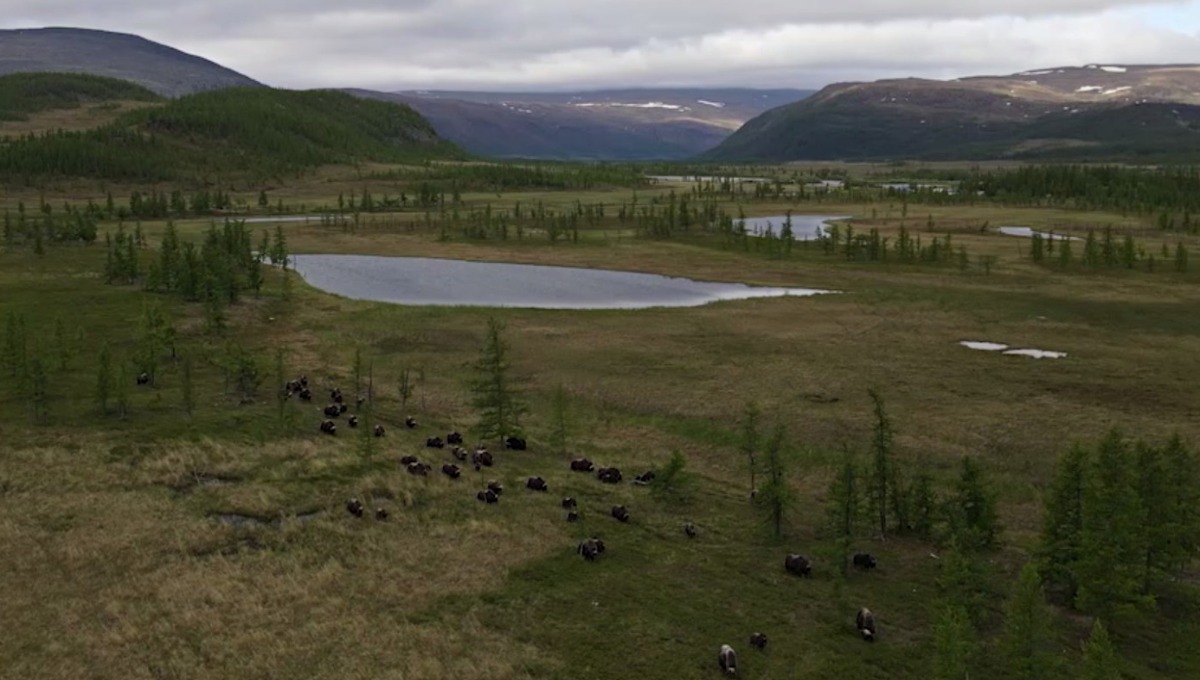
[634, 124]
[162, 69]
[1093, 112]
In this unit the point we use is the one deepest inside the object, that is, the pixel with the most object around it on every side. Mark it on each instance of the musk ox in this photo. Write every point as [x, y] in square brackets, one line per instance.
[644, 478]
[342, 408]
[410, 422]
[582, 465]
[305, 394]
[481, 458]
[865, 623]
[381, 514]
[865, 561]
[328, 427]
[451, 471]
[514, 443]
[569, 503]
[336, 395]
[354, 507]
[143, 379]
[689, 529]
[759, 641]
[488, 496]
[352, 421]
[332, 411]
[572, 516]
[536, 484]
[609, 475]
[495, 487]
[421, 469]
[379, 431]
[591, 548]
[454, 438]
[459, 453]
[727, 660]
[620, 513]
[434, 443]
[798, 565]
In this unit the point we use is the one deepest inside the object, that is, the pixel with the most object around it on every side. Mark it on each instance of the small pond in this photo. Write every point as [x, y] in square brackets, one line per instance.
[1026, 232]
[804, 227]
[430, 281]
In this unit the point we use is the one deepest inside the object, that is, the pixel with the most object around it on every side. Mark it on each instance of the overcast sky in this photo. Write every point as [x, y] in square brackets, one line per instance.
[566, 44]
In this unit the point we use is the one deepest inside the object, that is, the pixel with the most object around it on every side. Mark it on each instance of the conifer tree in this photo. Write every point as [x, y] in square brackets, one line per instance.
[881, 451]
[1099, 656]
[405, 388]
[1023, 644]
[1062, 530]
[954, 644]
[973, 509]
[1112, 545]
[495, 398]
[924, 505]
[748, 444]
[776, 494]
[842, 510]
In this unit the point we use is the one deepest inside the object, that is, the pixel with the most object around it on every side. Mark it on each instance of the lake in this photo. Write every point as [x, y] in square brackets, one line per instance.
[431, 281]
[804, 227]
[1026, 232]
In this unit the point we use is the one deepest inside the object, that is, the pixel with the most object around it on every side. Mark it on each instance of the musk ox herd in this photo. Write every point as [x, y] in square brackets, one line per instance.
[590, 549]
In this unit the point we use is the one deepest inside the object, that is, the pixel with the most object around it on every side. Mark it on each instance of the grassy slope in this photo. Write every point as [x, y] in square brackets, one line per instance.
[110, 541]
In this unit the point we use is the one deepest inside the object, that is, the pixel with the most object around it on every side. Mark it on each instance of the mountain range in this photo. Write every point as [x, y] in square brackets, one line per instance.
[1091, 112]
[1108, 112]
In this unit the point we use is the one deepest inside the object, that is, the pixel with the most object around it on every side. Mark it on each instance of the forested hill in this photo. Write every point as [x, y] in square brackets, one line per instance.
[164, 70]
[1113, 113]
[23, 94]
[256, 131]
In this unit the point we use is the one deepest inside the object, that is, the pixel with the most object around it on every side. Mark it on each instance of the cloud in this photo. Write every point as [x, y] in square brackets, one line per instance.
[491, 44]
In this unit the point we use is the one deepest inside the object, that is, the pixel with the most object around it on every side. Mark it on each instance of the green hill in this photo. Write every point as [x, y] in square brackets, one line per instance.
[23, 94]
[257, 131]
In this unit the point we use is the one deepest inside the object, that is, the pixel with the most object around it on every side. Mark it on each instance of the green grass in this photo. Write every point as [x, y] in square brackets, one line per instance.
[109, 534]
[22, 94]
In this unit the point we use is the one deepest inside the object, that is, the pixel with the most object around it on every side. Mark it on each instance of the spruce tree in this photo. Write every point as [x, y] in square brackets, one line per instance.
[1112, 544]
[881, 451]
[1099, 656]
[748, 444]
[842, 509]
[973, 509]
[1023, 644]
[1062, 531]
[954, 643]
[776, 494]
[924, 506]
[495, 398]
[1176, 543]
[406, 389]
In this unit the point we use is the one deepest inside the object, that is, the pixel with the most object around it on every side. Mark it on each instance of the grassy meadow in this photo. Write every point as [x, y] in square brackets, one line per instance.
[215, 544]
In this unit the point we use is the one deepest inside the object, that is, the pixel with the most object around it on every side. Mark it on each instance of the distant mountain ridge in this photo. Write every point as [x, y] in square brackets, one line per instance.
[1146, 111]
[161, 69]
[624, 124]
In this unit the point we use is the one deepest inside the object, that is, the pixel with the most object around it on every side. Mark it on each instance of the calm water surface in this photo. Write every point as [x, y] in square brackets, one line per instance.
[429, 281]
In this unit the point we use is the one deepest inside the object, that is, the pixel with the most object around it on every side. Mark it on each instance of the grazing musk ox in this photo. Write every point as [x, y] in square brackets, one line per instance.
[451, 471]
[536, 484]
[434, 443]
[454, 438]
[727, 660]
[410, 422]
[572, 516]
[798, 565]
[332, 411]
[569, 503]
[495, 487]
[609, 475]
[143, 379]
[481, 458]
[408, 460]
[328, 427]
[514, 443]
[620, 513]
[591, 548]
[352, 421]
[759, 641]
[582, 465]
[381, 514]
[488, 496]
[421, 469]
[354, 507]
[689, 529]
[865, 623]
[644, 478]
[379, 431]
[865, 561]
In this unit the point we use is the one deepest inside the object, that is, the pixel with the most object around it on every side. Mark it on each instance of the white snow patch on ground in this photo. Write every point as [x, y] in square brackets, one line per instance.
[1090, 88]
[1113, 69]
[646, 105]
[1036, 73]
[1115, 90]
[1036, 353]
[719, 105]
[984, 345]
